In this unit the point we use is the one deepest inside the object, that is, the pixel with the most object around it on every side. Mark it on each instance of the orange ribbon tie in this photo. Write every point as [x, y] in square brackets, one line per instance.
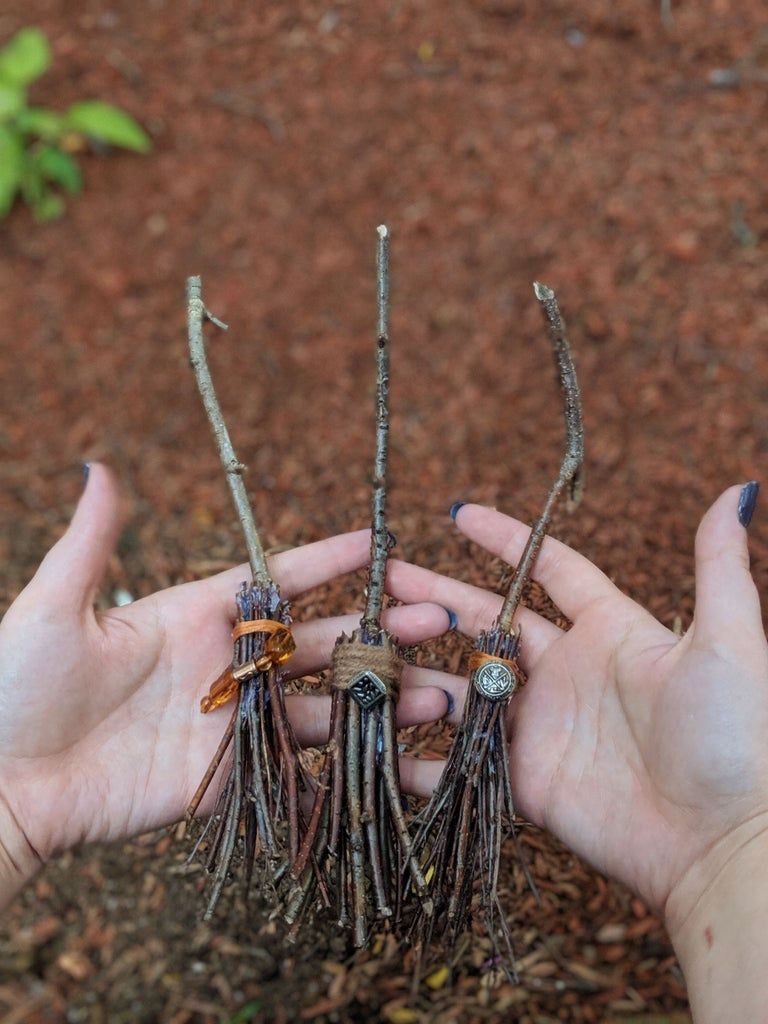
[278, 648]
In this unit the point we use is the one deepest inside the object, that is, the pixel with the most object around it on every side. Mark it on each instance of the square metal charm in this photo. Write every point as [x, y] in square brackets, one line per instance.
[367, 689]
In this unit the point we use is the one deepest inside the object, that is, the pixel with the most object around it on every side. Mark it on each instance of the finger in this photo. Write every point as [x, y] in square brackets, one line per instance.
[475, 608]
[310, 715]
[75, 565]
[418, 776]
[571, 580]
[726, 595]
[454, 687]
[304, 567]
[315, 640]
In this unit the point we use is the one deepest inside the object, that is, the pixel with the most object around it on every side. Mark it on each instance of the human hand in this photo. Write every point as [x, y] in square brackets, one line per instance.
[644, 752]
[101, 734]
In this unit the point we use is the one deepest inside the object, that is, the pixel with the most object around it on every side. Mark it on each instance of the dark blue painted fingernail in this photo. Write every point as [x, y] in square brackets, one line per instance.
[453, 618]
[450, 700]
[455, 509]
[86, 472]
[747, 502]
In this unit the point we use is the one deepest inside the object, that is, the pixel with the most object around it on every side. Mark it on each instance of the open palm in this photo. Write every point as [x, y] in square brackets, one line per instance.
[101, 734]
[638, 749]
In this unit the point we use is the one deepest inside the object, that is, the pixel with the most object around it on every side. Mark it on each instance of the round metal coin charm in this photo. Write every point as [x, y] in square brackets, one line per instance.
[494, 680]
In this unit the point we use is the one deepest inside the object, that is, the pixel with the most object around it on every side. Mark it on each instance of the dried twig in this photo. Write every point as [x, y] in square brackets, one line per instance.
[258, 805]
[571, 469]
[380, 536]
[460, 832]
[197, 314]
[357, 828]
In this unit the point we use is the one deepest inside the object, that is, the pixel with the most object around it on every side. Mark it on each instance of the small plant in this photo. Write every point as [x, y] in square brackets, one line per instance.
[37, 144]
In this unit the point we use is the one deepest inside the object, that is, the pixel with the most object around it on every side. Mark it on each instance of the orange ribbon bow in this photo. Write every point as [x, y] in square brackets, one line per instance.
[278, 648]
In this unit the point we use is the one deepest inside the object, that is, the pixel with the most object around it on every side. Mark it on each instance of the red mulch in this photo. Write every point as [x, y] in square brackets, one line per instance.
[503, 140]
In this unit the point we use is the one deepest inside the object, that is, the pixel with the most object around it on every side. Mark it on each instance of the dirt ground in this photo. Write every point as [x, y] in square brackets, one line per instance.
[586, 144]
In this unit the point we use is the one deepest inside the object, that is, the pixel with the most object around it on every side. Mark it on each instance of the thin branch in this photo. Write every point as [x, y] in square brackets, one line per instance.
[354, 823]
[218, 757]
[380, 538]
[459, 834]
[570, 474]
[197, 314]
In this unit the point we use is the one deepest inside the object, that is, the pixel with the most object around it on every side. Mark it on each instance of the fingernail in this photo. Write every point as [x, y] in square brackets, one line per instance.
[391, 540]
[455, 509]
[86, 472]
[450, 701]
[453, 618]
[747, 502]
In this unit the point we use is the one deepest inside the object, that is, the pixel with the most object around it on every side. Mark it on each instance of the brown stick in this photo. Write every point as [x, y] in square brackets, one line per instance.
[367, 835]
[335, 741]
[233, 822]
[372, 817]
[337, 754]
[570, 474]
[257, 782]
[221, 750]
[288, 761]
[380, 537]
[460, 831]
[392, 784]
[354, 815]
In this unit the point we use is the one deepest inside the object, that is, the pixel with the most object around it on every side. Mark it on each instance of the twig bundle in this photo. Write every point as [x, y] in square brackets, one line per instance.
[459, 834]
[258, 804]
[357, 831]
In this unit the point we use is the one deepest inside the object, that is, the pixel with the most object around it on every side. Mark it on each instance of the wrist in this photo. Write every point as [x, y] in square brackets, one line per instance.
[19, 861]
[716, 918]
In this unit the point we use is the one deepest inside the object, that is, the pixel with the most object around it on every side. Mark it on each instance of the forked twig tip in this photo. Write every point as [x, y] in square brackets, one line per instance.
[215, 321]
[197, 314]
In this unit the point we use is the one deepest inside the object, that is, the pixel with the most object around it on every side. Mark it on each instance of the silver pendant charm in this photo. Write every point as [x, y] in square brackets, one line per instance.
[367, 689]
[494, 680]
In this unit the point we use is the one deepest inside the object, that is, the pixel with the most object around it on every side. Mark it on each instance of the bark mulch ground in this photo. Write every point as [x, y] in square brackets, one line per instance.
[585, 144]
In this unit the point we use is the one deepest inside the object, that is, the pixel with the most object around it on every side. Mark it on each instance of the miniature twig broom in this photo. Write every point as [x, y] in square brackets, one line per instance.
[459, 833]
[357, 827]
[259, 798]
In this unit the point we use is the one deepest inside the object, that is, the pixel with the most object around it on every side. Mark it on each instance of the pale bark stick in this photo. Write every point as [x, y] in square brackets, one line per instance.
[197, 314]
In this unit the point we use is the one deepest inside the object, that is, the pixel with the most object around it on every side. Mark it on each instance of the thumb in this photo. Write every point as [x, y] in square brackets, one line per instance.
[73, 568]
[726, 595]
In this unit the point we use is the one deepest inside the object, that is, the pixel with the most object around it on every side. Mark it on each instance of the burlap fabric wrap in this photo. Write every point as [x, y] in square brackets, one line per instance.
[351, 656]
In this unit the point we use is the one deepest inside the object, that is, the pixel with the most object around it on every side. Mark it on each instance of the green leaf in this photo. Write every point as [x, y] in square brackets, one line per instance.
[11, 100]
[48, 207]
[25, 57]
[246, 1014]
[60, 168]
[33, 184]
[108, 124]
[11, 167]
[42, 122]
